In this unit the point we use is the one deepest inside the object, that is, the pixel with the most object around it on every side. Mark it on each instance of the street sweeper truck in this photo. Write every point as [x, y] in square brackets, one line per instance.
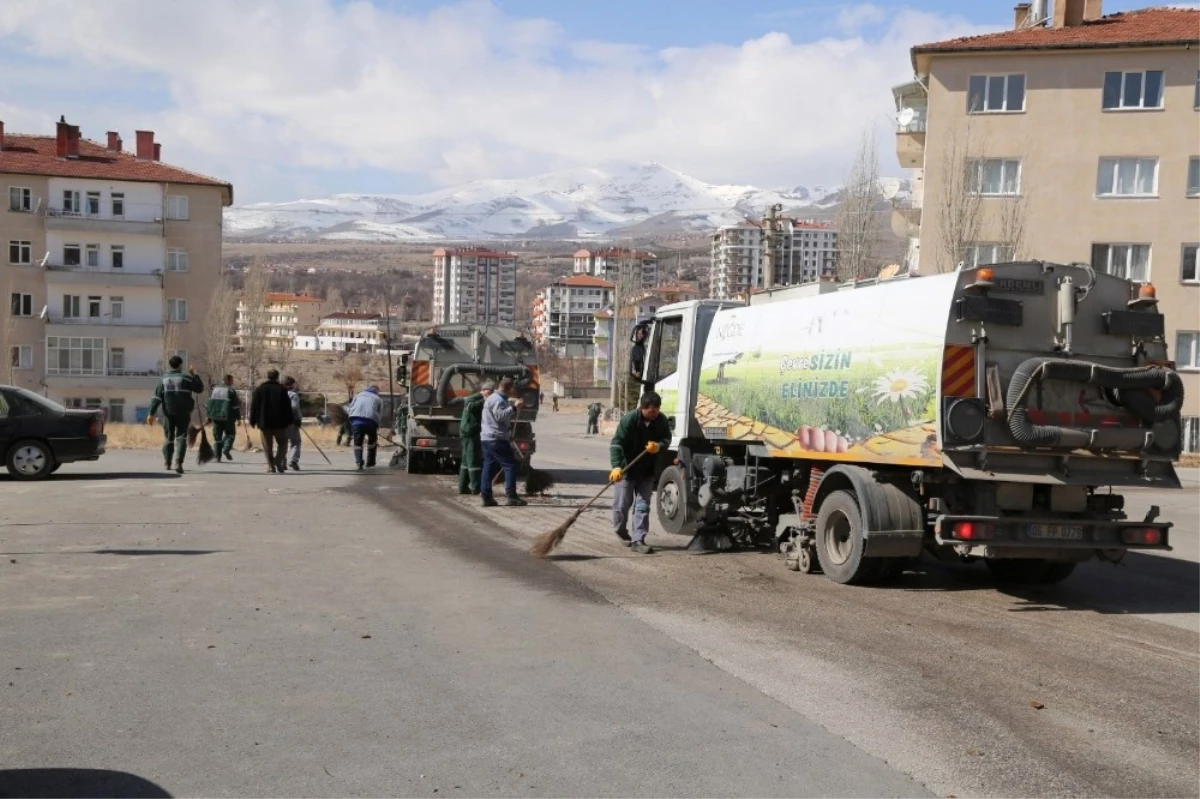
[449, 363]
[986, 414]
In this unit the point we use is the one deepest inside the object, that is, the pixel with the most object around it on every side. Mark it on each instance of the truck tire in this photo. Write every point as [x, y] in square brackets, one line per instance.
[415, 463]
[1029, 571]
[840, 542]
[671, 500]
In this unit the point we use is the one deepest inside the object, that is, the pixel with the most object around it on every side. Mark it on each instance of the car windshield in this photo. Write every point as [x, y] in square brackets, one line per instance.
[40, 401]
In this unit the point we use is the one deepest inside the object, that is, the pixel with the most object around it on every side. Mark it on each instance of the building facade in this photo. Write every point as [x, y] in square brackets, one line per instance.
[805, 251]
[352, 331]
[280, 319]
[564, 314]
[1083, 129]
[474, 285]
[608, 263]
[110, 262]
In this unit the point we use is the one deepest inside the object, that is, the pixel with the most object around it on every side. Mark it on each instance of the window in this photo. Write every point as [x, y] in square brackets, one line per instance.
[21, 305]
[988, 253]
[20, 199]
[177, 207]
[1187, 265]
[93, 307]
[666, 348]
[71, 304]
[990, 94]
[116, 409]
[20, 357]
[177, 261]
[93, 256]
[116, 359]
[1196, 96]
[1186, 344]
[1193, 180]
[118, 256]
[70, 202]
[1133, 90]
[176, 310]
[118, 203]
[71, 255]
[1127, 177]
[20, 252]
[74, 356]
[116, 307]
[1128, 261]
[93, 203]
[995, 176]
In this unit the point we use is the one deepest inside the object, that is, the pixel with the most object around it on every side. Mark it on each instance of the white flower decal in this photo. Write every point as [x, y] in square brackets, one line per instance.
[899, 386]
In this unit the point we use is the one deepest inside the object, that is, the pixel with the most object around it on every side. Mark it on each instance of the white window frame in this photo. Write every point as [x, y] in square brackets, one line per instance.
[95, 307]
[116, 307]
[72, 306]
[1125, 269]
[20, 356]
[116, 354]
[1108, 176]
[24, 250]
[977, 172]
[116, 409]
[91, 256]
[1193, 177]
[177, 207]
[113, 251]
[71, 203]
[78, 249]
[177, 260]
[23, 302]
[1183, 262]
[20, 199]
[117, 200]
[176, 309]
[988, 83]
[994, 250]
[1192, 352]
[1141, 106]
[95, 346]
[89, 198]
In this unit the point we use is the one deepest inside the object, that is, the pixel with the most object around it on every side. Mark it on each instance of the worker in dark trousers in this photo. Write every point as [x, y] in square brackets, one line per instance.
[175, 395]
[495, 436]
[293, 431]
[469, 426]
[643, 429]
[224, 410]
[365, 411]
[593, 419]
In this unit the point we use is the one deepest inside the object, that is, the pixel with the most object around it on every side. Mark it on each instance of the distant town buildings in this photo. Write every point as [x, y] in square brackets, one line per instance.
[280, 319]
[474, 285]
[348, 331]
[805, 251]
[564, 313]
[608, 263]
[641, 307]
[1070, 138]
[111, 259]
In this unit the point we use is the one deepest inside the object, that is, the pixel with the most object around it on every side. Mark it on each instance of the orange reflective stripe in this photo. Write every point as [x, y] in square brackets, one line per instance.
[958, 371]
[420, 373]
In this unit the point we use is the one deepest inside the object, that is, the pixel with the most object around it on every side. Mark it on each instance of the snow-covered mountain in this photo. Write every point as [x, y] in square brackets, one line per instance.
[589, 202]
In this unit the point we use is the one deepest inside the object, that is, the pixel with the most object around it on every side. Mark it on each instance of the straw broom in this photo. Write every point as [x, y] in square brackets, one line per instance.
[547, 541]
[204, 454]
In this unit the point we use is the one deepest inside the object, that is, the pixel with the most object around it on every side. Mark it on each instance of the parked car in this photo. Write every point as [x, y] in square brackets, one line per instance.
[38, 435]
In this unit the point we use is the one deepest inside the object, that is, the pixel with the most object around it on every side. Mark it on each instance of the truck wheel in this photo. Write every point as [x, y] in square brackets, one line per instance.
[840, 542]
[671, 501]
[1029, 571]
[415, 462]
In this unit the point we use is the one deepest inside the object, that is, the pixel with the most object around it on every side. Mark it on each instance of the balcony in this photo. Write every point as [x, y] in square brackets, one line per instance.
[145, 379]
[906, 218]
[910, 138]
[101, 327]
[80, 275]
[58, 219]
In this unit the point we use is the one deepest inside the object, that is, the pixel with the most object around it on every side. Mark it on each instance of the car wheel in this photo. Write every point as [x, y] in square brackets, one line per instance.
[30, 460]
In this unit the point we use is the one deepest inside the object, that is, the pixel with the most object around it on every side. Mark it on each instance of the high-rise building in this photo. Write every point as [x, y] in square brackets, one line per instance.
[564, 313]
[608, 263]
[805, 251]
[111, 260]
[1070, 138]
[474, 285]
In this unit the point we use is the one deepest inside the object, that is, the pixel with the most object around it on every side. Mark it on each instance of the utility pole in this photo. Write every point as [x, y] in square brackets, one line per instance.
[387, 324]
[772, 239]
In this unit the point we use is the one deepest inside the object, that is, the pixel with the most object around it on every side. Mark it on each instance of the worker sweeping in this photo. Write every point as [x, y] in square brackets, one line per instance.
[224, 410]
[174, 394]
[365, 410]
[643, 429]
[469, 427]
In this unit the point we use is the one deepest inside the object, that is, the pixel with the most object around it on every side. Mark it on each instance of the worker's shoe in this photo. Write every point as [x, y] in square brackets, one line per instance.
[168, 466]
[489, 502]
[623, 534]
[641, 548]
[179, 468]
[516, 502]
[295, 467]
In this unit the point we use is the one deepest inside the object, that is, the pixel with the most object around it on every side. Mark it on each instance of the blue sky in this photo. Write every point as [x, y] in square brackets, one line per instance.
[304, 98]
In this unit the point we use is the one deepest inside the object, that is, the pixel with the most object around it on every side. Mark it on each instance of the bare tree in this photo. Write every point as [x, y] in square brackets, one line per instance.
[350, 375]
[219, 328]
[960, 206]
[255, 319]
[171, 337]
[858, 222]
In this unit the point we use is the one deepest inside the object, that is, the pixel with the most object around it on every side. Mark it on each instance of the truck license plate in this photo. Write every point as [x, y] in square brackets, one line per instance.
[1072, 532]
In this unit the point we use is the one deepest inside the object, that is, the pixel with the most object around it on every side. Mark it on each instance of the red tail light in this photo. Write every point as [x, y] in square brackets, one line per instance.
[522, 445]
[426, 442]
[1147, 536]
[96, 427]
[974, 531]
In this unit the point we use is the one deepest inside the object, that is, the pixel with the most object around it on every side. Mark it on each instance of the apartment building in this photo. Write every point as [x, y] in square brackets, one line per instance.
[643, 306]
[280, 319]
[350, 331]
[474, 285]
[608, 263]
[804, 252]
[1083, 129]
[564, 313]
[110, 263]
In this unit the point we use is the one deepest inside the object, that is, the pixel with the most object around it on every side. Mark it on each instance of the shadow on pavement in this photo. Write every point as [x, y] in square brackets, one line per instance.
[60, 783]
[595, 477]
[127, 552]
[89, 476]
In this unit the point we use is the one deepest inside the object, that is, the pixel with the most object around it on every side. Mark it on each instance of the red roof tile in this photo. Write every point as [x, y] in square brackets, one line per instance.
[585, 281]
[38, 155]
[1144, 27]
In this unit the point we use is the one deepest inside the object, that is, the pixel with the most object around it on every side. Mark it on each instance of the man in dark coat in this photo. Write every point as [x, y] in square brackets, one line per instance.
[469, 426]
[643, 429]
[175, 395]
[271, 413]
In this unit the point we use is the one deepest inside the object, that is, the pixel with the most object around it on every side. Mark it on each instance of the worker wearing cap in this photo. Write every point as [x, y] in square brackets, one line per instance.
[469, 427]
[365, 410]
[174, 394]
[643, 429]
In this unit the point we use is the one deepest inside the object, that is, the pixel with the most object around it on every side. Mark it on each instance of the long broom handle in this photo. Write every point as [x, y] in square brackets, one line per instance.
[314, 443]
[600, 493]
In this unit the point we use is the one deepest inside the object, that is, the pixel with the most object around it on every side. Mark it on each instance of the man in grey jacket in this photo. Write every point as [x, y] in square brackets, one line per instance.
[365, 411]
[495, 435]
[293, 431]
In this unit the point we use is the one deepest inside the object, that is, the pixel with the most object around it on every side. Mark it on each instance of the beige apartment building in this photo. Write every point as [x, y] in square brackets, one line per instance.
[280, 319]
[1073, 137]
[109, 264]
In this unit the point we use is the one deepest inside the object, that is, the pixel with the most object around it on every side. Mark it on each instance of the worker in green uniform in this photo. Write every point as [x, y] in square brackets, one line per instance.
[224, 410]
[469, 427]
[174, 396]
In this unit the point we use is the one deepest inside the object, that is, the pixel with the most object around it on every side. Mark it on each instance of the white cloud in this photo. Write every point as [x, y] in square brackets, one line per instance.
[251, 90]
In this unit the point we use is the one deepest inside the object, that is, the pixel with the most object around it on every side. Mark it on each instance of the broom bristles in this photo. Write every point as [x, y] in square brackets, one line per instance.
[191, 435]
[545, 543]
[336, 414]
[205, 453]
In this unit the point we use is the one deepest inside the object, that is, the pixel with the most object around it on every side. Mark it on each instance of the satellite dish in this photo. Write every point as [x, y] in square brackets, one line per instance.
[905, 116]
[44, 312]
[889, 188]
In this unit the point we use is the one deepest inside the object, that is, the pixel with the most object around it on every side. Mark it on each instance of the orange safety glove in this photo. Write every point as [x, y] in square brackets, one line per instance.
[615, 475]
[653, 447]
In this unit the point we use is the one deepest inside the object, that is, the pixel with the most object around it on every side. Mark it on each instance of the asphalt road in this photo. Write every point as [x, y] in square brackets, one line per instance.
[207, 634]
